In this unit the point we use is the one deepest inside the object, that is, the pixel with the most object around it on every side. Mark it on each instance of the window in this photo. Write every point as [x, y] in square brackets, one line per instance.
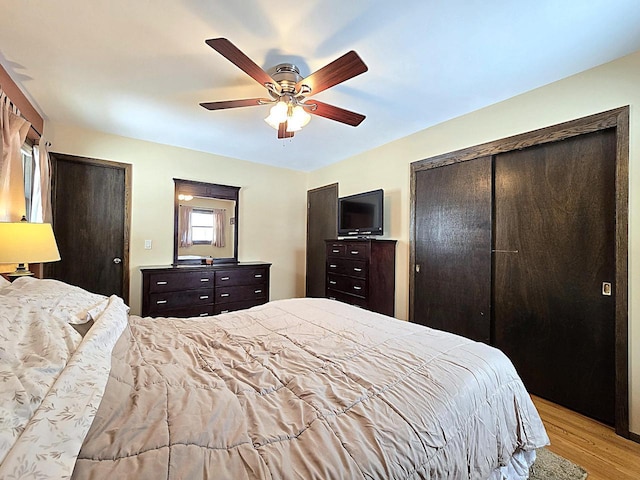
[27, 168]
[202, 226]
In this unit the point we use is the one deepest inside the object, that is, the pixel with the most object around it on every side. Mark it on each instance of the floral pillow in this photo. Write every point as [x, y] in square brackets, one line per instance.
[63, 301]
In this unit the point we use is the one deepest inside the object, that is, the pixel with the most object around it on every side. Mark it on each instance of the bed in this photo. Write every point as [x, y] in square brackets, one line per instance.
[299, 388]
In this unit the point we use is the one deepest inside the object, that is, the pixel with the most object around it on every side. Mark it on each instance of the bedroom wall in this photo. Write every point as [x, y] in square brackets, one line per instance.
[609, 86]
[272, 203]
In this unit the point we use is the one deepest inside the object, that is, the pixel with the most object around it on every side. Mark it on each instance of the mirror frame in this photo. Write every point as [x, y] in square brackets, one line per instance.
[208, 190]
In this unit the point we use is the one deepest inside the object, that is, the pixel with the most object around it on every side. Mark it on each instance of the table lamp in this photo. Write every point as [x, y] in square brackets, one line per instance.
[24, 243]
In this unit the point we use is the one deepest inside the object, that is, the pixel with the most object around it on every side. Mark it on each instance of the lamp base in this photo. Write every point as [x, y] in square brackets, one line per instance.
[21, 271]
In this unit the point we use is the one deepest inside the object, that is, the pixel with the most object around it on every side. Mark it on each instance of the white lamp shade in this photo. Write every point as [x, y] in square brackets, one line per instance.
[298, 119]
[24, 242]
[277, 114]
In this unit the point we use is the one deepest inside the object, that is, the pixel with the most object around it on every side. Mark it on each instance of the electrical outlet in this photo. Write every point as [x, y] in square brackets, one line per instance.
[147, 244]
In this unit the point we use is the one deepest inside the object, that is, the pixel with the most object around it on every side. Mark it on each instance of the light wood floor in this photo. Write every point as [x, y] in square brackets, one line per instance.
[590, 444]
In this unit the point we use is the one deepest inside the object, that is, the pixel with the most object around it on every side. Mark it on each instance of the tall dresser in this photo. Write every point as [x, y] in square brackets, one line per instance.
[362, 272]
[201, 290]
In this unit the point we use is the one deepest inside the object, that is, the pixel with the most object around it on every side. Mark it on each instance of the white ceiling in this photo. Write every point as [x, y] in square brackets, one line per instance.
[140, 68]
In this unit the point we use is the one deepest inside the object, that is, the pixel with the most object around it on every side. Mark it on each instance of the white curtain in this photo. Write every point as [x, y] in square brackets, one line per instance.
[41, 190]
[14, 130]
[184, 227]
[219, 220]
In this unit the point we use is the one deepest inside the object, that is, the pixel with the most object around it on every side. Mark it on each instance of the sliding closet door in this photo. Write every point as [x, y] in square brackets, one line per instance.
[452, 239]
[554, 256]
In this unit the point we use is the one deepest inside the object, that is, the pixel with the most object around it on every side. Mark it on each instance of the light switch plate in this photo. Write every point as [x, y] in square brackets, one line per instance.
[147, 244]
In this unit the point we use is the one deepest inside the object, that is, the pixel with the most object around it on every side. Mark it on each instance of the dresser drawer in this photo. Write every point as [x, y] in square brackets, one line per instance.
[336, 249]
[182, 312]
[353, 285]
[161, 303]
[174, 281]
[244, 276]
[357, 250]
[343, 266]
[240, 293]
[348, 249]
[346, 298]
[233, 306]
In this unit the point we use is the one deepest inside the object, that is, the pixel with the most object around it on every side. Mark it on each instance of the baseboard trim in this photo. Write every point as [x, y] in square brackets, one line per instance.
[634, 436]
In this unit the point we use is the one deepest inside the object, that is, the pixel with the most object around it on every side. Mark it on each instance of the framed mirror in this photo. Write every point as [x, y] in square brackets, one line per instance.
[205, 223]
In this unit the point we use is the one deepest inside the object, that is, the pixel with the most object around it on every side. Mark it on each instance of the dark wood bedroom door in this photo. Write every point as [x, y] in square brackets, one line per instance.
[90, 221]
[322, 208]
[554, 314]
[452, 281]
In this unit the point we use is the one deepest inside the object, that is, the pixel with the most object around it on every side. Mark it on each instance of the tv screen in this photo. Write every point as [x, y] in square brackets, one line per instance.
[361, 214]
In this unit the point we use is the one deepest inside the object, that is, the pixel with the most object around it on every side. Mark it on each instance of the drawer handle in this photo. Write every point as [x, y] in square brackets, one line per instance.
[204, 279]
[258, 275]
[205, 314]
[224, 311]
[355, 252]
[332, 282]
[257, 291]
[161, 302]
[224, 294]
[161, 283]
[357, 288]
[356, 269]
[222, 279]
[204, 297]
[332, 266]
[335, 251]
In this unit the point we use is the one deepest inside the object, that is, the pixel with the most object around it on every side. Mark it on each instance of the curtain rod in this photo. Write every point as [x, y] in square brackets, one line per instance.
[17, 111]
[18, 98]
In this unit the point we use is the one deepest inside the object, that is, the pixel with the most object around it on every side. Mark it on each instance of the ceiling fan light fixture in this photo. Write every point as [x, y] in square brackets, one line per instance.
[288, 90]
[298, 119]
[277, 114]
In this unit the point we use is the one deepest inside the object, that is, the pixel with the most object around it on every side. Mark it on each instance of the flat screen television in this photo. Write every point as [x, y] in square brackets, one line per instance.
[361, 215]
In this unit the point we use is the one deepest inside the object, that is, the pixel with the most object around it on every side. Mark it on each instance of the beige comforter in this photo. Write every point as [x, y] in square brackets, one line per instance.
[306, 388]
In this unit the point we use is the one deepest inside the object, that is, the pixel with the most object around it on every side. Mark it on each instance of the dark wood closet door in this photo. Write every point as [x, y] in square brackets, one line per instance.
[89, 202]
[452, 281]
[554, 242]
[322, 208]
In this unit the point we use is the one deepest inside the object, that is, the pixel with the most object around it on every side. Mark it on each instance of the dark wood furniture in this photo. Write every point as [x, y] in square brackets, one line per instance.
[192, 291]
[362, 272]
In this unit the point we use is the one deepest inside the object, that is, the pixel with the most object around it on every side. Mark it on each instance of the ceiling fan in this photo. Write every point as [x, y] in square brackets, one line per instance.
[288, 91]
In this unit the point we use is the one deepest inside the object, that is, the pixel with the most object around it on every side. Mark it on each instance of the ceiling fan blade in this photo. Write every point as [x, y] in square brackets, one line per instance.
[347, 66]
[249, 102]
[282, 131]
[232, 53]
[336, 113]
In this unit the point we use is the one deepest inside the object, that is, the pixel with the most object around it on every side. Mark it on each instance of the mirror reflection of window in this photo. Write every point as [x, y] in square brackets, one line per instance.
[206, 227]
[202, 226]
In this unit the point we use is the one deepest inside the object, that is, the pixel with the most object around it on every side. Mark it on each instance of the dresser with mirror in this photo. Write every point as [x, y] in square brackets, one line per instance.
[205, 277]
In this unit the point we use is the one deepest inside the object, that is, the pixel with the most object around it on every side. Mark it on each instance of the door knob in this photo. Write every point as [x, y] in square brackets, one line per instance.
[117, 260]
